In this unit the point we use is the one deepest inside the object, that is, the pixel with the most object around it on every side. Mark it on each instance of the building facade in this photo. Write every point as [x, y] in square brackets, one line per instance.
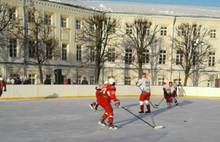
[67, 17]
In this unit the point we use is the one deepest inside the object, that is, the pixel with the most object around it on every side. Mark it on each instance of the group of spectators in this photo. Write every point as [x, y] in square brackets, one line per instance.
[17, 80]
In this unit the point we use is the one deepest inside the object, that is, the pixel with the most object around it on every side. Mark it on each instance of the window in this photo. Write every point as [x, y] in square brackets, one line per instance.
[12, 14]
[127, 80]
[211, 61]
[145, 58]
[92, 54]
[129, 29]
[13, 48]
[31, 17]
[180, 33]
[92, 80]
[179, 57]
[111, 54]
[112, 30]
[47, 19]
[63, 22]
[64, 51]
[163, 31]
[208, 83]
[91, 27]
[148, 31]
[78, 24]
[31, 49]
[160, 80]
[49, 51]
[32, 78]
[212, 33]
[162, 57]
[78, 53]
[128, 56]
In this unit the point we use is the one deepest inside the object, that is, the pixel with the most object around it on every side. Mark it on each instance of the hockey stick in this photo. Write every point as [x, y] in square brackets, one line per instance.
[159, 103]
[155, 127]
[149, 100]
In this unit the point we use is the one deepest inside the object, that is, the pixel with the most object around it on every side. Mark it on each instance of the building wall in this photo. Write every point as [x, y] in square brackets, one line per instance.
[72, 68]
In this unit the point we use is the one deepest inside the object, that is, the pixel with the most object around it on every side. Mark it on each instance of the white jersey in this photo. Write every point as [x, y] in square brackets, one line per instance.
[144, 84]
[169, 90]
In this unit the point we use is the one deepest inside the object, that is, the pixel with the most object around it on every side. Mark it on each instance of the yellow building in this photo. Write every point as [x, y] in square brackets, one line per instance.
[66, 19]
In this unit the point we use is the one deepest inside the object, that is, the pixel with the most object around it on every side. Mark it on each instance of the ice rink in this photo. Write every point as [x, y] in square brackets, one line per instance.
[72, 120]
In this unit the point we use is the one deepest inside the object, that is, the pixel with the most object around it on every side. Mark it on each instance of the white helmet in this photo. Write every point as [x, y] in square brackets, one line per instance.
[1, 79]
[106, 82]
[111, 81]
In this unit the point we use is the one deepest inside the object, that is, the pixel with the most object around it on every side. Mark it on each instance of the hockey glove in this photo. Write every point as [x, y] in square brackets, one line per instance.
[117, 103]
[5, 90]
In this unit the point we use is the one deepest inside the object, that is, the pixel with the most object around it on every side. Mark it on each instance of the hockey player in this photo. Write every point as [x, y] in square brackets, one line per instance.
[108, 94]
[170, 93]
[166, 95]
[173, 94]
[95, 104]
[144, 85]
[2, 84]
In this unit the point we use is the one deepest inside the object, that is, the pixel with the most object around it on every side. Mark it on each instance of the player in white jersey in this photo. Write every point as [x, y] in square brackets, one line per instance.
[144, 85]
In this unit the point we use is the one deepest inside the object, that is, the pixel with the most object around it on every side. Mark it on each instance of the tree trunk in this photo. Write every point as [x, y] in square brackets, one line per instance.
[41, 73]
[186, 77]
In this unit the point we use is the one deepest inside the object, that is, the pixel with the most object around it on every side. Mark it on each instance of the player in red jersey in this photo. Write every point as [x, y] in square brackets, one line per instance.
[98, 88]
[170, 93]
[2, 84]
[107, 94]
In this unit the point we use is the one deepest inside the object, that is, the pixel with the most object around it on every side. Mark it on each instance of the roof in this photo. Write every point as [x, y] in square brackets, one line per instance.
[145, 8]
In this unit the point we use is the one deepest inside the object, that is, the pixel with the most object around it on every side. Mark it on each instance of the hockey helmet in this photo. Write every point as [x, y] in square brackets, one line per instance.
[143, 74]
[163, 83]
[111, 81]
[1, 79]
[170, 83]
[106, 82]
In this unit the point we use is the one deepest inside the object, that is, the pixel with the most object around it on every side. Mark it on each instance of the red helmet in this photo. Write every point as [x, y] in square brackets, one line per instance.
[143, 74]
[170, 83]
[163, 83]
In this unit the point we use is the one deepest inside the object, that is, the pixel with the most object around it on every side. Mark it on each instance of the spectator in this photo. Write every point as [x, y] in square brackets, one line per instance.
[25, 80]
[47, 80]
[10, 80]
[84, 81]
[74, 80]
[18, 80]
[65, 81]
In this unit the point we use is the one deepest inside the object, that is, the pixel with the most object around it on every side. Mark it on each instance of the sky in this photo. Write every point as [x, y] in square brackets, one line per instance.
[215, 3]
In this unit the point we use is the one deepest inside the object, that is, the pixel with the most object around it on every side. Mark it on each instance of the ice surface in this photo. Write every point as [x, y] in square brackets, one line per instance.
[72, 120]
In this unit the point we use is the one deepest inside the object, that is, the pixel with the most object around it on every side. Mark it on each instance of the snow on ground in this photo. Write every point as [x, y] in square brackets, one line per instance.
[72, 120]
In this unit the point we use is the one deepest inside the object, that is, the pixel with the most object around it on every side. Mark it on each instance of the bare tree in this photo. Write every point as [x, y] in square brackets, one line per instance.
[141, 37]
[98, 33]
[191, 45]
[42, 43]
[8, 24]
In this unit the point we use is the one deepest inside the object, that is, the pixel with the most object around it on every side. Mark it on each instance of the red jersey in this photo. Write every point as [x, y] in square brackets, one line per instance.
[108, 92]
[2, 84]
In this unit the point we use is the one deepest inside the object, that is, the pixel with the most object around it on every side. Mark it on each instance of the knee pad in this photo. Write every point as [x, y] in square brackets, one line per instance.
[141, 102]
[146, 102]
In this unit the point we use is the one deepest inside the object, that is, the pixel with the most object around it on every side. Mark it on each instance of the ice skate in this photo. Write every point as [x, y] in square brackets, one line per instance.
[141, 111]
[91, 106]
[148, 111]
[102, 122]
[112, 126]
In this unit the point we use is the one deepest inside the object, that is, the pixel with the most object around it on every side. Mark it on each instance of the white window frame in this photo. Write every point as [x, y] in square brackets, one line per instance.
[13, 48]
[162, 57]
[163, 31]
